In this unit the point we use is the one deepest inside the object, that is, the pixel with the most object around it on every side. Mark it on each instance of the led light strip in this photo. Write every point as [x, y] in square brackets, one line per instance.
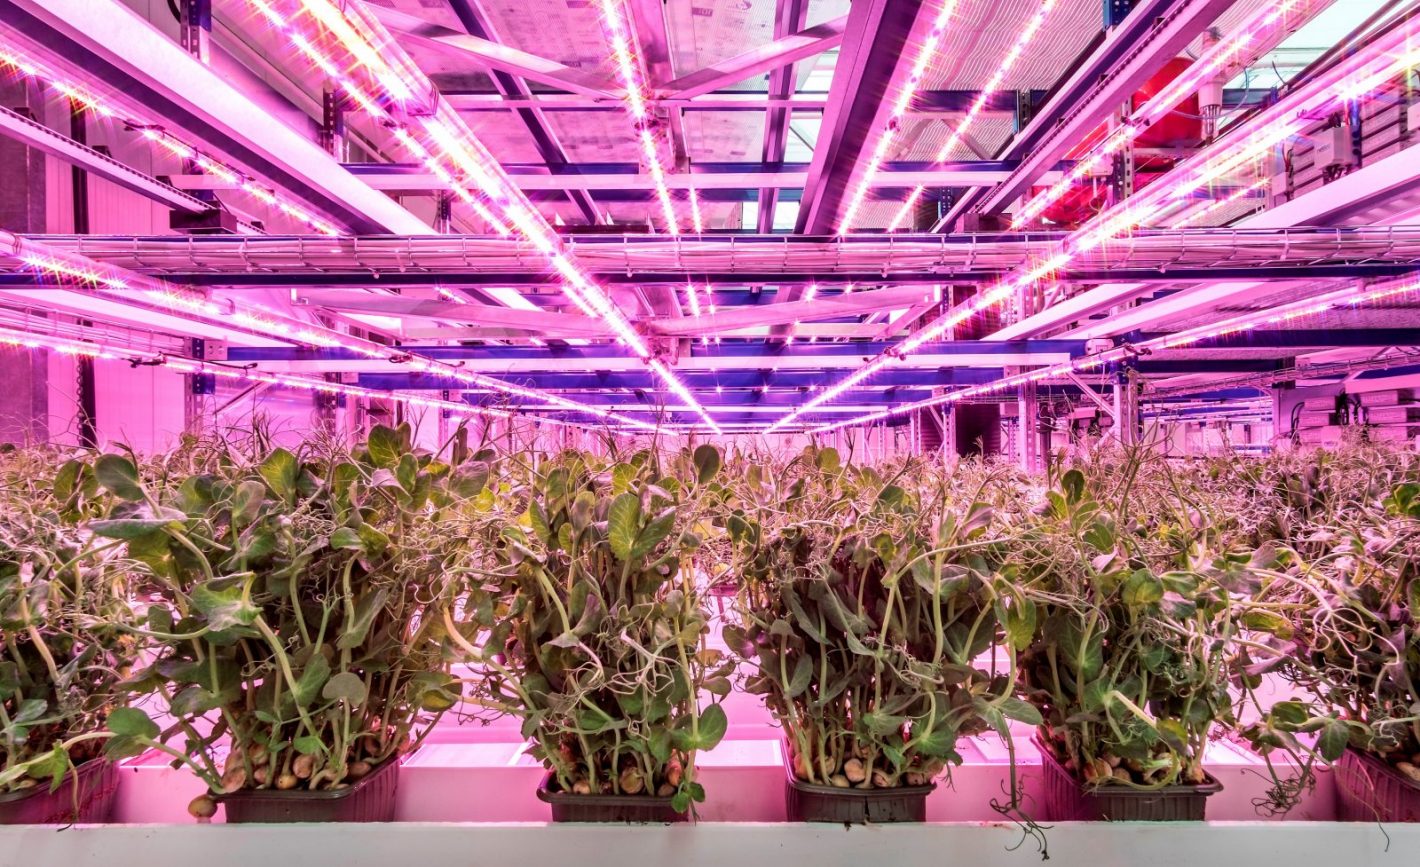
[633, 78]
[12, 59]
[113, 281]
[926, 53]
[1285, 314]
[1219, 58]
[357, 32]
[371, 106]
[1218, 204]
[1358, 76]
[29, 340]
[959, 131]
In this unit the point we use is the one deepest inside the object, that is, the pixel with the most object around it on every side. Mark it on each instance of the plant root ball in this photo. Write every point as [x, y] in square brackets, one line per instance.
[202, 808]
[666, 790]
[357, 770]
[286, 781]
[631, 782]
[839, 781]
[855, 772]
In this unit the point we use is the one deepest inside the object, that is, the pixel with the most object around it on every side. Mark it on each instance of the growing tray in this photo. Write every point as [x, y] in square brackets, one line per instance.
[642, 809]
[369, 799]
[811, 802]
[1065, 799]
[1370, 790]
[85, 797]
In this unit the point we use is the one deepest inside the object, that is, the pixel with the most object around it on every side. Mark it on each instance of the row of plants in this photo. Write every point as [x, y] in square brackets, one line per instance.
[288, 623]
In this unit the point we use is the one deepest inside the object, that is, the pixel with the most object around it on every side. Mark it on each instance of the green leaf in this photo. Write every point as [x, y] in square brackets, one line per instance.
[1142, 589]
[312, 679]
[1020, 623]
[1290, 712]
[385, 446]
[799, 680]
[710, 729]
[224, 607]
[652, 534]
[1021, 711]
[132, 722]
[1172, 733]
[1073, 484]
[659, 743]
[370, 604]
[828, 460]
[280, 471]
[347, 538]
[309, 745]
[938, 742]
[1333, 739]
[621, 477]
[119, 476]
[707, 463]
[621, 524]
[247, 502]
[347, 687]
[1267, 621]
[67, 480]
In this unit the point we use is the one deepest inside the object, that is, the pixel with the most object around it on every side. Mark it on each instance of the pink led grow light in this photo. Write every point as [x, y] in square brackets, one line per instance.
[1246, 41]
[381, 60]
[978, 105]
[926, 53]
[12, 58]
[108, 280]
[1356, 76]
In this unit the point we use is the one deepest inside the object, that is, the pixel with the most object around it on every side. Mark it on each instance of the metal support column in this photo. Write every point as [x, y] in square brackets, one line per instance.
[196, 27]
[1126, 404]
[332, 126]
[1028, 428]
[86, 389]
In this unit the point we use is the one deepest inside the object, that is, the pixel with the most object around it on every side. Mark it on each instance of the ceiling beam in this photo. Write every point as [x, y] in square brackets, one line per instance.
[37, 135]
[513, 89]
[537, 321]
[1153, 33]
[789, 17]
[143, 66]
[625, 176]
[493, 55]
[873, 43]
[758, 61]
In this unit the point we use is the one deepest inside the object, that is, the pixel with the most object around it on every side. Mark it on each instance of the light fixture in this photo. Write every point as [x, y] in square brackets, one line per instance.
[978, 105]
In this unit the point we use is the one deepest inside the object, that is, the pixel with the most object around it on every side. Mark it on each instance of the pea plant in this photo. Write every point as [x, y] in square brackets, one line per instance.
[63, 607]
[1135, 585]
[875, 617]
[597, 640]
[1349, 592]
[293, 603]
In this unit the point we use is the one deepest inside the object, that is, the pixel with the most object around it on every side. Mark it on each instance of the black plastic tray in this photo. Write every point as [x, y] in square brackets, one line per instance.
[1066, 799]
[369, 799]
[1370, 790]
[643, 809]
[85, 797]
[811, 802]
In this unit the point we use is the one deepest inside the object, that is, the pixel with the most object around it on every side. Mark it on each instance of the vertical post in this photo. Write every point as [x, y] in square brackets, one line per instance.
[1126, 404]
[1115, 11]
[444, 213]
[1028, 427]
[87, 391]
[332, 135]
[195, 21]
[195, 36]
